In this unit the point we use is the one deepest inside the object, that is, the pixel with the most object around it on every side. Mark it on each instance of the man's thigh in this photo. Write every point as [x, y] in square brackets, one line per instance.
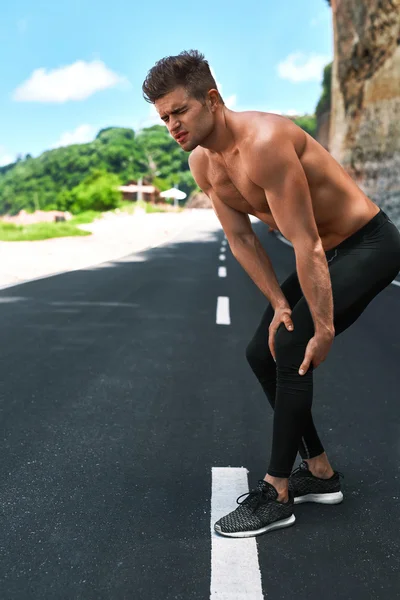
[357, 277]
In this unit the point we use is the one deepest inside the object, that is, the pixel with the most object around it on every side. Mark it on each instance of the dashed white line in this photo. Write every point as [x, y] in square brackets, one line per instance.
[223, 249]
[222, 272]
[235, 571]
[222, 257]
[223, 316]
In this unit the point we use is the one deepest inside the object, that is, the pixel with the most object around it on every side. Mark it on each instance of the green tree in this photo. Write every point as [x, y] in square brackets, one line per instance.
[49, 179]
[324, 103]
[308, 123]
[99, 191]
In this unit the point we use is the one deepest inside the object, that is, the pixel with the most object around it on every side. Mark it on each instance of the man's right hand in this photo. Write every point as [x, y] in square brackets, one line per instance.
[282, 315]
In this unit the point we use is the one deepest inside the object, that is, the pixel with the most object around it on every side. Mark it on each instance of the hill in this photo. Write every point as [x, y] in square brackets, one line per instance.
[48, 181]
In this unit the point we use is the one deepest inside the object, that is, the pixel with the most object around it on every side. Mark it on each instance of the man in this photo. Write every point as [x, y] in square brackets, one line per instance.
[347, 251]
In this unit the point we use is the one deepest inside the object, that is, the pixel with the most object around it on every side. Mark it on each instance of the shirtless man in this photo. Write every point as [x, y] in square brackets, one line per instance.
[347, 251]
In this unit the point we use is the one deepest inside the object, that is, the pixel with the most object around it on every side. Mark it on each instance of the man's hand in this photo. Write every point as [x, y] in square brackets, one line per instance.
[317, 350]
[282, 315]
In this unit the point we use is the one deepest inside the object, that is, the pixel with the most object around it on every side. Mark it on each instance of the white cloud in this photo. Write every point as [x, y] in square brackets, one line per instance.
[71, 82]
[80, 135]
[230, 102]
[153, 118]
[299, 67]
[5, 159]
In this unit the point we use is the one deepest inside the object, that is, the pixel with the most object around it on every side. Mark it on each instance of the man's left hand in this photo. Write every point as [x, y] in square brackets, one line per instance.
[317, 350]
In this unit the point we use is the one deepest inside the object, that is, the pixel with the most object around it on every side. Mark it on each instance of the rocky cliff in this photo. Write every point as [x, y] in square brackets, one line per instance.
[365, 117]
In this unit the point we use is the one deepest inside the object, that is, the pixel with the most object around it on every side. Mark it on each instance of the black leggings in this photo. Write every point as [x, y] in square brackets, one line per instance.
[360, 268]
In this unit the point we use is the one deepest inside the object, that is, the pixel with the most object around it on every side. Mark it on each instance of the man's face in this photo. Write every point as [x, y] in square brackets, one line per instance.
[188, 120]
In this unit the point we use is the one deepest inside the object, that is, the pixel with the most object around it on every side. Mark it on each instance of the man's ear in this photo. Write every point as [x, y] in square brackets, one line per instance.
[213, 99]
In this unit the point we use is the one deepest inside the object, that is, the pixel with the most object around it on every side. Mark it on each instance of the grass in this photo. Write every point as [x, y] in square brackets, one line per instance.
[88, 216]
[129, 207]
[44, 231]
[38, 231]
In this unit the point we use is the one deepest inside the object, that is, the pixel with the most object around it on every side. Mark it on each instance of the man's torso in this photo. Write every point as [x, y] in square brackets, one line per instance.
[340, 207]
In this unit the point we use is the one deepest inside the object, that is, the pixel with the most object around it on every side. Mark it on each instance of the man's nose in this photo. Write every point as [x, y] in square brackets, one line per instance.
[175, 125]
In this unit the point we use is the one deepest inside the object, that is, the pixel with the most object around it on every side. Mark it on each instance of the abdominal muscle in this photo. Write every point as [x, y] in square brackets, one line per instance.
[331, 235]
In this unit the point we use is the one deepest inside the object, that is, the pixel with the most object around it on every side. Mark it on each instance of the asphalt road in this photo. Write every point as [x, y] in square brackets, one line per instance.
[119, 393]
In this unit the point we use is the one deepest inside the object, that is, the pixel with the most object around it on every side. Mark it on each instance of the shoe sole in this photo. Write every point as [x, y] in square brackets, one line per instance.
[275, 525]
[332, 498]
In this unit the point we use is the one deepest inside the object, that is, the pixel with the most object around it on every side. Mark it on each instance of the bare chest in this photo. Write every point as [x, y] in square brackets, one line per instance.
[234, 188]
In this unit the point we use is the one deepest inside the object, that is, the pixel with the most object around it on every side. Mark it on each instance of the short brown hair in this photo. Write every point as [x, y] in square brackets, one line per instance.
[188, 69]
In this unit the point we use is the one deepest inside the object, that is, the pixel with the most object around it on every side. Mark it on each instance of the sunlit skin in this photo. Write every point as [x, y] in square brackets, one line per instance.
[181, 112]
[264, 165]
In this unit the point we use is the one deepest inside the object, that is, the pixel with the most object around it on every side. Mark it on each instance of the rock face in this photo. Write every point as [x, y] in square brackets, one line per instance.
[365, 119]
[322, 133]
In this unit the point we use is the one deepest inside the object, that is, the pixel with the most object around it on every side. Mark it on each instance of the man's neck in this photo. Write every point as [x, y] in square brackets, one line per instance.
[222, 140]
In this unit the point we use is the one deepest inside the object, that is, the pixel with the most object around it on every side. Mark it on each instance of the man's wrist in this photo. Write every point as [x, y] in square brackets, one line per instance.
[325, 329]
[280, 304]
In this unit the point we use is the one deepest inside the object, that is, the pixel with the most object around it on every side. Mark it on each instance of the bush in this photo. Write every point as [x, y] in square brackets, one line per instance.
[98, 192]
[308, 123]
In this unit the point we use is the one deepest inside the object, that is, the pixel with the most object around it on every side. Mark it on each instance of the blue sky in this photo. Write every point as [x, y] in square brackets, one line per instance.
[72, 68]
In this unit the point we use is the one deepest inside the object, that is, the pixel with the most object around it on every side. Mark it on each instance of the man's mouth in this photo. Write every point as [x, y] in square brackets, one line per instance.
[180, 136]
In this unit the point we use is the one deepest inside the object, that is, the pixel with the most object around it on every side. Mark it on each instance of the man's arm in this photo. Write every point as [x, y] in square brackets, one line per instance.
[244, 244]
[275, 167]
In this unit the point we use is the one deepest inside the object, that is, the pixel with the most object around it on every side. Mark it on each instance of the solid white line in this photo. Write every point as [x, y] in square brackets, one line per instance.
[222, 272]
[235, 572]
[222, 257]
[223, 316]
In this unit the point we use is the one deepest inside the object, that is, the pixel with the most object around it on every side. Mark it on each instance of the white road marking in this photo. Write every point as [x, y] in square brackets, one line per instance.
[222, 272]
[394, 282]
[284, 240]
[224, 242]
[235, 571]
[223, 316]
[223, 249]
[222, 257]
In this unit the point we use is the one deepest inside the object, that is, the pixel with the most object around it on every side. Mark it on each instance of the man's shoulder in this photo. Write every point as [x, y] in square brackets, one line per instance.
[198, 162]
[197, 156]
[266, 128]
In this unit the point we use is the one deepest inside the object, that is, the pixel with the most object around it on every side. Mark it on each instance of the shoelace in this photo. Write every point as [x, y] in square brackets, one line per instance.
[259, 495]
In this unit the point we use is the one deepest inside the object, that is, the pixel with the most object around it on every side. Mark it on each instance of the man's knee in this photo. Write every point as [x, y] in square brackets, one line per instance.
[260, 358]
[289, 346]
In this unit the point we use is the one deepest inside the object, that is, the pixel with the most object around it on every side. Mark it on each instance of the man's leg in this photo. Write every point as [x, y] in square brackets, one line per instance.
[264, 367]
[360, 268]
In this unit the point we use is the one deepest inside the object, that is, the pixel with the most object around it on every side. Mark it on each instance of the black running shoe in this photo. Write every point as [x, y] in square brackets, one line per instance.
[306, 487]
[258, 513]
